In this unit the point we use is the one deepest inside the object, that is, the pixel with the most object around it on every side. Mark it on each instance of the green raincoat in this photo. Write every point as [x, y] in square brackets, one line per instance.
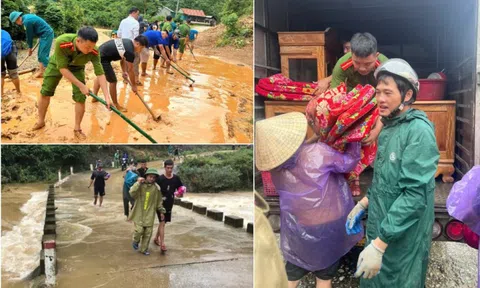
[401, 200]
[148, 200]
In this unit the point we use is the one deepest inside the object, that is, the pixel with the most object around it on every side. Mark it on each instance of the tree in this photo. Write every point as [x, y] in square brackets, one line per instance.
[73, 15]
[8, 6]
[54, 17]
[41, 8]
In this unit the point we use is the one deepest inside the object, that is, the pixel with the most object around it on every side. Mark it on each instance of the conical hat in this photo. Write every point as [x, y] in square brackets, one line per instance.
[278, 138]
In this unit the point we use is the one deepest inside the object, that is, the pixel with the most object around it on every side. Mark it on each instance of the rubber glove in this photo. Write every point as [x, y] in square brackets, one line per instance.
[369, 262]
[353, 224]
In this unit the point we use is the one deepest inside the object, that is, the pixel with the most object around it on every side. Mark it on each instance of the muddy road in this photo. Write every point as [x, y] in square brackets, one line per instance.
[217, 109]
[94, 245]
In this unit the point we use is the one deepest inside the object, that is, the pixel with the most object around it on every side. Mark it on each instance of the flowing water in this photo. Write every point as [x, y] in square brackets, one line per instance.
[94, 244]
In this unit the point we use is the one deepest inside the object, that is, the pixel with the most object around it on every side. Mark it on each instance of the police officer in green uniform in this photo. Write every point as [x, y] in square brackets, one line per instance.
[184, 37]
[72, 52]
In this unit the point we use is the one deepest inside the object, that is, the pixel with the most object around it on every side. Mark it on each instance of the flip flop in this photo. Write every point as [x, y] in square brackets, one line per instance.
[163, 247]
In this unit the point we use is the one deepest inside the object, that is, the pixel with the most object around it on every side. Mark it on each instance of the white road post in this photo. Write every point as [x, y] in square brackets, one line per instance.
[91, 167]
[71, 170]
[59, 175]
[50, 262]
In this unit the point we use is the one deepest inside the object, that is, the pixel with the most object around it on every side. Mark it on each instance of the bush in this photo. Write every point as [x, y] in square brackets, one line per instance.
[231, 23]
[54, 17]
[8, 6]
[73, 15]
[221, 171]
[209, 178]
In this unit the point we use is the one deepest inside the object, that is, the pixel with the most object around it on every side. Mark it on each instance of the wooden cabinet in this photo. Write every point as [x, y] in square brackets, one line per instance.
[441, 113]
[302, 55]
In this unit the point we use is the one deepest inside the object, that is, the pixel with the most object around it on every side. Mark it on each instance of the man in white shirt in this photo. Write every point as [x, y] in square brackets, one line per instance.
[129, 28]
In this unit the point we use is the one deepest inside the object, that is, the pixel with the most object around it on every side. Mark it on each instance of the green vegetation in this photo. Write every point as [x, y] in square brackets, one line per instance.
[236, 32]
[218, 172]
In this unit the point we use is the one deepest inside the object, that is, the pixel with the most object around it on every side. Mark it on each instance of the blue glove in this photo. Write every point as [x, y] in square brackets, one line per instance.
[354, 224]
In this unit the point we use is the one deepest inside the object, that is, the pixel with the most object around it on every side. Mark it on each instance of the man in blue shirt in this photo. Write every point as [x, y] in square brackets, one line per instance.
[157, 40]
[36, 27]
[193, 37]
[9, 60]
[171, 48]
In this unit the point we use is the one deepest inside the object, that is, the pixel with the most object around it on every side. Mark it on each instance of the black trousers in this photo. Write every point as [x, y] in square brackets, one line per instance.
[126, 208]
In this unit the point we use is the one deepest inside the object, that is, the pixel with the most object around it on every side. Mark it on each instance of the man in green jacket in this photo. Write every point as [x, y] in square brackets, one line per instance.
[184, 37]
[401, 199]
[36, 27]
[72, 52]
[148, 201]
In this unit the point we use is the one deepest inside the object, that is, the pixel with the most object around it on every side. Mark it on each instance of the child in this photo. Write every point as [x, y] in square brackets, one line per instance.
[314, 196]
[148, 201]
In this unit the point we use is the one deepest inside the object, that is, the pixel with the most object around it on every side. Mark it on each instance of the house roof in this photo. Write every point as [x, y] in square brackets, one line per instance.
[192, 12]
[167, 8]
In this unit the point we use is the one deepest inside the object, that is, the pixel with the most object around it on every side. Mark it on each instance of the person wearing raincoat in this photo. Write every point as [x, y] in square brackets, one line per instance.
[148, 200]
[463, 203]
[314, 197]
[400, 200]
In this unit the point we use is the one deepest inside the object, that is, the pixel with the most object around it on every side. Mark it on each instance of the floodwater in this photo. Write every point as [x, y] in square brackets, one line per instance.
[230, 203]
[23, 213]
[94, 245]
[217, 109]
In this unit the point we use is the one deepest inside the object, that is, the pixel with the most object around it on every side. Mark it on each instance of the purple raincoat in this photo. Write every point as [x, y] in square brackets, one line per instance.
[463, 203]
[314, 203]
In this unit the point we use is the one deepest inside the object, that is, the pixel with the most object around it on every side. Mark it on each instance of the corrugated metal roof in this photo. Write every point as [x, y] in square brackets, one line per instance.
[192, 12]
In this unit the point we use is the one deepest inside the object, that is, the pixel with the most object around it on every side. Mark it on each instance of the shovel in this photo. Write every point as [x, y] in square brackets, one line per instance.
[156, 118]
[191, 51]
[186, 76]
[124, 118]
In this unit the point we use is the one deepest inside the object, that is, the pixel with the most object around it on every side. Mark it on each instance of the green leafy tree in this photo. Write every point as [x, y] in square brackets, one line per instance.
[73, 15]
[41, 7]
[8, 6]
[54, 17]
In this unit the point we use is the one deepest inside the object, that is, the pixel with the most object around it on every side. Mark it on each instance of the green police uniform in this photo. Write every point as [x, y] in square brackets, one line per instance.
[148, 200]
[401, 200]
[344, 72]
[184, 34]
[167, 26]
[67, 56]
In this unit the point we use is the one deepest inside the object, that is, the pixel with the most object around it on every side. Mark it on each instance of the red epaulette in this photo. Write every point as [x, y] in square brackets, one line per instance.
[94, 52]
[347, 64]
[377, 63]
[67, 45]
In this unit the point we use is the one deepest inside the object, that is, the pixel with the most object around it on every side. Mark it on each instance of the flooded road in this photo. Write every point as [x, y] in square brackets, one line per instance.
[217, 109]
[94, 245]
[230, 203]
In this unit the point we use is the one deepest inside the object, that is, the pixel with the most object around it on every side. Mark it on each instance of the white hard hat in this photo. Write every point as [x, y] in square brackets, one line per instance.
[400, 68]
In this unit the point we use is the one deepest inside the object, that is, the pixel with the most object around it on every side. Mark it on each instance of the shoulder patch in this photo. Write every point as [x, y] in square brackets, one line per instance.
[347, 64]
[94, 52]
[67, 45]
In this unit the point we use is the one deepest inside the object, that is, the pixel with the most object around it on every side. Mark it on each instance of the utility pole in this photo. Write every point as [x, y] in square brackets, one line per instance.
[176, 11]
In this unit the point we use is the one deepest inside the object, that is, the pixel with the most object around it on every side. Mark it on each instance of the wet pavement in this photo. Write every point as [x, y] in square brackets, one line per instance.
[94, 245]
[217, 109]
